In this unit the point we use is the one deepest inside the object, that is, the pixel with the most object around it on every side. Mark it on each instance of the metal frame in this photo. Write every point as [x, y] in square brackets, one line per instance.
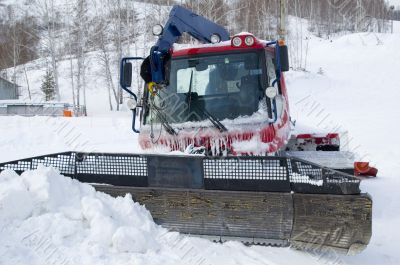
[122, 84]
[267, 174]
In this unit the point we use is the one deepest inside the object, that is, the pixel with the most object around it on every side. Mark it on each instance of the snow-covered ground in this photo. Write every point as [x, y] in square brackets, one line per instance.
[49, 219]
[352, 84]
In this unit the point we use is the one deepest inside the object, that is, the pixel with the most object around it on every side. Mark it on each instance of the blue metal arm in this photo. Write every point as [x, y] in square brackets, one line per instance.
[181, 20]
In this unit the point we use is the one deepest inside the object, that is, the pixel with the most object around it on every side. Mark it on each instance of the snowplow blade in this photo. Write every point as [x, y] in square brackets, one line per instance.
[311, 222]
[280, 201]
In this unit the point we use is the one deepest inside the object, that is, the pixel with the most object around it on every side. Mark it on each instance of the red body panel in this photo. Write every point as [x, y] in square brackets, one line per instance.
[211, 49]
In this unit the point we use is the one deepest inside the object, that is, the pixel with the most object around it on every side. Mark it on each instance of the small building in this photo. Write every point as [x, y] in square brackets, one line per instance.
[8, 90]
[15, 107]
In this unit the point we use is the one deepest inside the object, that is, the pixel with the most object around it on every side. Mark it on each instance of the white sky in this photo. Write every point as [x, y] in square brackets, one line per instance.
[394, 2]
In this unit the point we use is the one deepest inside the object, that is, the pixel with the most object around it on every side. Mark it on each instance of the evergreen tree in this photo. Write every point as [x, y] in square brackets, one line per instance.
[48, 86]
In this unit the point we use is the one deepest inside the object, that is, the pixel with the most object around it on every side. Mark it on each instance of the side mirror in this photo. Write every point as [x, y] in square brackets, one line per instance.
[284, 58]
[127, 75]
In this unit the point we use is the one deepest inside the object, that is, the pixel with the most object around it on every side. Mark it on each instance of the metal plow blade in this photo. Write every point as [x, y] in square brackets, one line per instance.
[304, 221]
[277, 201]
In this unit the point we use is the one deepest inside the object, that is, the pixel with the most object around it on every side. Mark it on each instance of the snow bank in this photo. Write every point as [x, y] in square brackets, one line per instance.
[46, 218]
[70, 215]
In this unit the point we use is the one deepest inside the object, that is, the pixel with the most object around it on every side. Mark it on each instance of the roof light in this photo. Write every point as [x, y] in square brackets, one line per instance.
[157, 30]
[249, 40]
[237, 41]
[215, 38]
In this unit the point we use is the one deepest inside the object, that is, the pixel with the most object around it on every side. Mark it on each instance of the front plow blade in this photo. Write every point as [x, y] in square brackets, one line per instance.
[332, 222]
[309, 222]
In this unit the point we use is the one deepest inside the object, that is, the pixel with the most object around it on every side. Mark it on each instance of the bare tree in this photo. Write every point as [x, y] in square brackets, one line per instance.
[81, 36]
[50, 27]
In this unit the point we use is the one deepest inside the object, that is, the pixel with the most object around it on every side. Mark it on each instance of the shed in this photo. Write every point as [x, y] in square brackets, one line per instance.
[8, 90]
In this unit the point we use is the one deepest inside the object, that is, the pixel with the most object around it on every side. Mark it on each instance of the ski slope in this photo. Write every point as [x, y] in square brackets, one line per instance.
[352, 83]
[358, 91]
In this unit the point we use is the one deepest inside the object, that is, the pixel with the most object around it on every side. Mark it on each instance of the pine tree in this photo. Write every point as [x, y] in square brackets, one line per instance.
[48, 86]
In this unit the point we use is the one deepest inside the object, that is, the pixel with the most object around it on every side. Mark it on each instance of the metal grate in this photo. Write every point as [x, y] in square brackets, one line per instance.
[111, 164]
[306, 173]
[279, 174]
[307, 177]
[20, 166]
[64, 162]
[244, 169]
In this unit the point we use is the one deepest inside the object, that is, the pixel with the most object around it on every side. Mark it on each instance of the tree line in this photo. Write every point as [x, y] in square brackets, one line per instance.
[70, 30]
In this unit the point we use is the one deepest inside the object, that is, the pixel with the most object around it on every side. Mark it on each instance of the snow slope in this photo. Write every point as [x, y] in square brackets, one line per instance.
[352, 83]
[30, 136]
[359, 91]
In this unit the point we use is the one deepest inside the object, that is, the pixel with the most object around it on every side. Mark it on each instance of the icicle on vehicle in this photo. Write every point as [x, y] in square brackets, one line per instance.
[226, 101]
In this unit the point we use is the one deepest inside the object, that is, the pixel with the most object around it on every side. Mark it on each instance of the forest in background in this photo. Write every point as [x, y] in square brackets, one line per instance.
[59, 30]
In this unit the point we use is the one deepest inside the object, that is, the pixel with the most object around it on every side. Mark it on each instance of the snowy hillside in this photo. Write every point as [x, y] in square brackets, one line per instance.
[80, 43]
[351, 83]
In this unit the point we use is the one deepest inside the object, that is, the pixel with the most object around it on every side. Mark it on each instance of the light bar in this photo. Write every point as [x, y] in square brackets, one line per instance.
[249, 40]
[237, 41]
[215, 38]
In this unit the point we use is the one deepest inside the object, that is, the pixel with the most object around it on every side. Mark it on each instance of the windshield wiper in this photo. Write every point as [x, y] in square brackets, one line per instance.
[190, 90]
[213, 120]
[165, 123]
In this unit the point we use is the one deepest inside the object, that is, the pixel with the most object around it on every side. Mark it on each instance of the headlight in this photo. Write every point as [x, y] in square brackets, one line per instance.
[215, 38]
[271, 92]
[157, 30]
[237, 41]
[249, 40]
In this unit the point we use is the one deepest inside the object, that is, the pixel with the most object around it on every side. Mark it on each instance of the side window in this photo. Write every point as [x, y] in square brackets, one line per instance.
[199, 82]
[270, 68]
[278, 103]
[183, 78]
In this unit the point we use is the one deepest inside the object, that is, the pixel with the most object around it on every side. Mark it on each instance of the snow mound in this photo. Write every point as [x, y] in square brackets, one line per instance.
[46, 218]
[43, 205]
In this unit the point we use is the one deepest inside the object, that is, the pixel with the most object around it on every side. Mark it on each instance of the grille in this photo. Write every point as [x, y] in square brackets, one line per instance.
[120, 165]
[244, 169]
[280, 174]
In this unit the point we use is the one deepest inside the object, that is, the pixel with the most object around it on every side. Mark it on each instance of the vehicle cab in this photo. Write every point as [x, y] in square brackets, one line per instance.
[224, 98]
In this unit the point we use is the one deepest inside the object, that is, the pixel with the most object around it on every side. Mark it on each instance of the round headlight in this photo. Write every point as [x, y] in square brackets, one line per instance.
[237, 41]
[215, 38]
[157, 30]
[271, 92]
[249, 40]
[131, 103]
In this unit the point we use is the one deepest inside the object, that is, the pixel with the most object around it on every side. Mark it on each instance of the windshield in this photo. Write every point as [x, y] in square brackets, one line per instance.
[221, 86]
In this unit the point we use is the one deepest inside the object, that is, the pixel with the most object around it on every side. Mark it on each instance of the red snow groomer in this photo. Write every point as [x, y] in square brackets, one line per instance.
[240, 174]
[224, 98]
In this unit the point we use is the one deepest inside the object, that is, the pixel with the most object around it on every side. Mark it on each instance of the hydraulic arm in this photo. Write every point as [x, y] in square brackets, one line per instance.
[181, 20]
